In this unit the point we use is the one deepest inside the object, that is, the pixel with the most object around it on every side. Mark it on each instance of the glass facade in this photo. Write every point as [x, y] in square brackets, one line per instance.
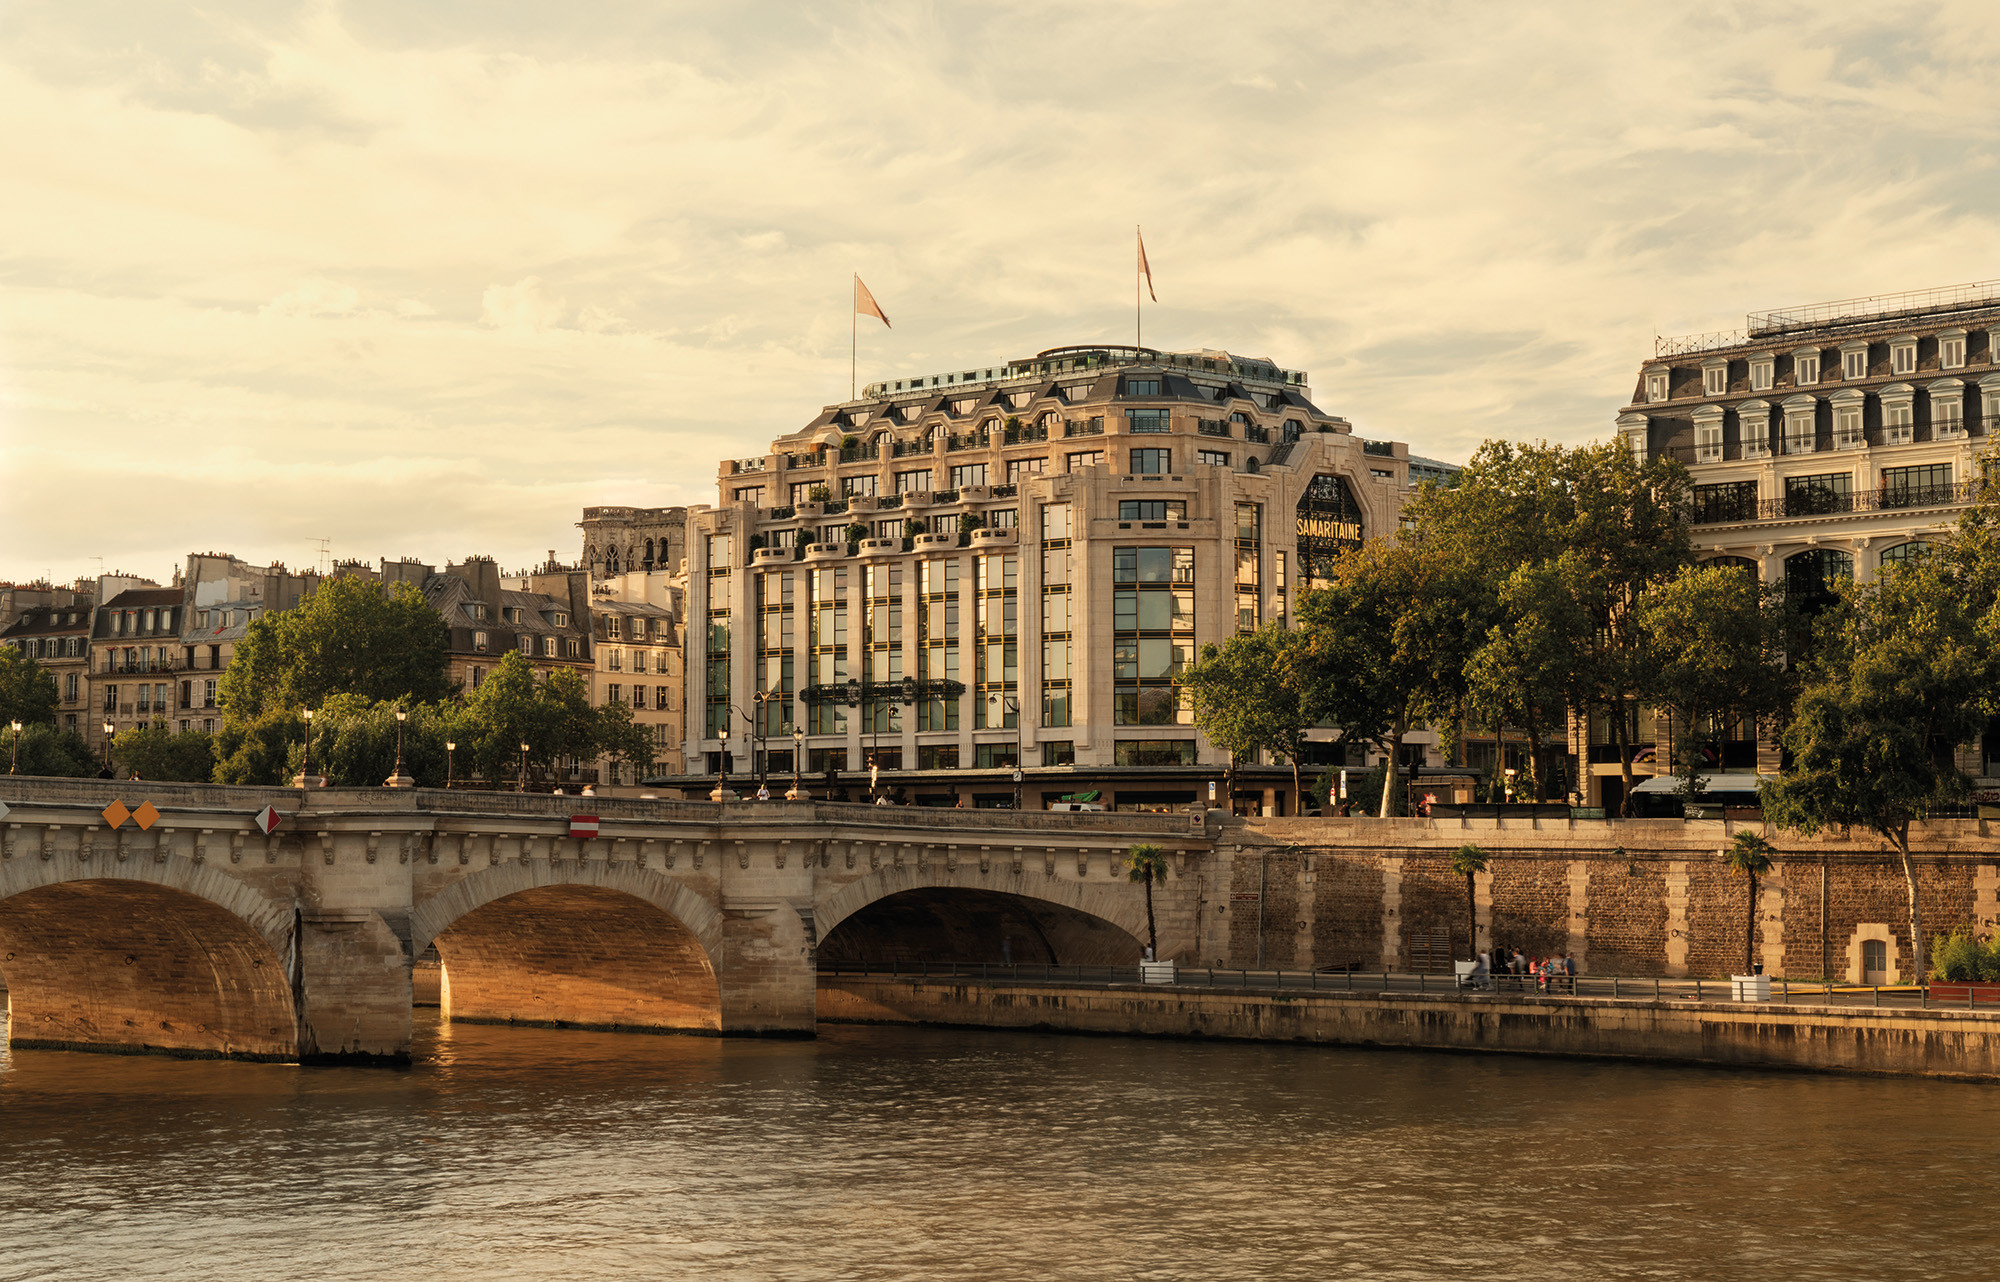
[827, 623]
[1152, 634]
[937, 641]
[1057, 570]
[997, 649]
[715, 658]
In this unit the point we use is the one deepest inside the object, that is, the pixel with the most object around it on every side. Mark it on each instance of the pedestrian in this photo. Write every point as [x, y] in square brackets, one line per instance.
[763, 792]
[1569, 972]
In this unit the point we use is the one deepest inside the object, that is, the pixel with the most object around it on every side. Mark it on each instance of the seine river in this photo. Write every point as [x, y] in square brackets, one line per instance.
[912, 1154]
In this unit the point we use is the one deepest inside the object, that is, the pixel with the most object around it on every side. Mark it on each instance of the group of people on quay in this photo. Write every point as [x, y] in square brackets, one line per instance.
[1511, 968]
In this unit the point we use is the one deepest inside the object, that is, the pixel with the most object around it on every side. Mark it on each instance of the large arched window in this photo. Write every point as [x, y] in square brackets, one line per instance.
[1329, 522]
[649, 554]
[1905, 553]
[1813, 577]
[1742, 563]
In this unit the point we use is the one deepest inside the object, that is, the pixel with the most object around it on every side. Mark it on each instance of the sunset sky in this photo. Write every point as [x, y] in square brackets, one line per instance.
[425, 279]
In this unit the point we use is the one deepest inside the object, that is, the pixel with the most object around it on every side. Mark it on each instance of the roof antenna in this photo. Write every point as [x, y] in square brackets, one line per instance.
[319, 561]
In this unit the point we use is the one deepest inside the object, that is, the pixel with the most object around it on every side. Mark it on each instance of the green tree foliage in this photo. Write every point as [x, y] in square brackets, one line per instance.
[505, 712]
[1256, 691]
[1468, 861]
[1713, 635]
[155, 752]
[1961, 958]
[623, 739]
[1898, 678]
[54, 753]
[28, 692]
[1147, 864]
[265, 749]
[1750, 855]
[351, 636]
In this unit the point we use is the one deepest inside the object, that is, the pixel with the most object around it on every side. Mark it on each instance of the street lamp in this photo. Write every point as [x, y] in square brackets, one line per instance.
[306, 771]
[110, 732]
[449, 748]
[524, 767]
[399, 779]
[798, 762]
[1017, 786]
[16, 767]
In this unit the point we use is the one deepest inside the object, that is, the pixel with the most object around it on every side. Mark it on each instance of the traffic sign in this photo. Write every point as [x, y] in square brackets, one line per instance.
[3, 810]
[145, 816]
[583, 826]
[116, 814]
[266, 820]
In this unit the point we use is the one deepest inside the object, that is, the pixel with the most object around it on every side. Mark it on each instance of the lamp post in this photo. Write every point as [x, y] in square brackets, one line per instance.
[399, 779]
[798, 762]
[449, 748]
[306, 771]
[1017, 786]
[524, 767]
[110, 732]
[16, 767]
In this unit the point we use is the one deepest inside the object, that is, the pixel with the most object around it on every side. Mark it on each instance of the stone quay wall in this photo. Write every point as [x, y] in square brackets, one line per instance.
[1916, 1043]
[1635, 897]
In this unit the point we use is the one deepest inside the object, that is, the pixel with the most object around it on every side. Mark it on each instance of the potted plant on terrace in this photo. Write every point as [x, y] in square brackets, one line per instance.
[1963, 969]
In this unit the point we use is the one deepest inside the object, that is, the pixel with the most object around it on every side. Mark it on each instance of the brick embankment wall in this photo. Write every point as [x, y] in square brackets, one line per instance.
[1931, 1043]
[1633, 898]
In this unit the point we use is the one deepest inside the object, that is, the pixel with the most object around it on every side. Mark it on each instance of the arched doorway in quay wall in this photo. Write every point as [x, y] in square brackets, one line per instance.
[130, 965]
[934, 924]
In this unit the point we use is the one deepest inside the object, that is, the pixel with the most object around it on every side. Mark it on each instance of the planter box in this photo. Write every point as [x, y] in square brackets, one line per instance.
[1750, 988]
[1952, 990]
[1156, 972]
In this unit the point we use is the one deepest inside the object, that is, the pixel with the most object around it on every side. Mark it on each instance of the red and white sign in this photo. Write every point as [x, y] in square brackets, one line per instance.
[266, 820]
[583, 825]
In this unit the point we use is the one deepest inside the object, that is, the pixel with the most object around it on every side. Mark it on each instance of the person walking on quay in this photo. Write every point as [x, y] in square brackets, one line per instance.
[1569, 973]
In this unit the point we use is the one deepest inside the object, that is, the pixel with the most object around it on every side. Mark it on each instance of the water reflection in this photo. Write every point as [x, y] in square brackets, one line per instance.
[904, 1154]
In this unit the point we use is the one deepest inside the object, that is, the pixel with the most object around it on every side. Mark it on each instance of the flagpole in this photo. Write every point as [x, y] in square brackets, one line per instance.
[853, 343]
[1138, 314]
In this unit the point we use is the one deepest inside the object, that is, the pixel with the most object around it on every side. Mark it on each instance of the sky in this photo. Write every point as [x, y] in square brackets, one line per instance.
[426, 279]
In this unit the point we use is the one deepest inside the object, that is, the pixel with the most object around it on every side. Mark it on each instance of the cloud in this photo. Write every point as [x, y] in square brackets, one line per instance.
[521, 263]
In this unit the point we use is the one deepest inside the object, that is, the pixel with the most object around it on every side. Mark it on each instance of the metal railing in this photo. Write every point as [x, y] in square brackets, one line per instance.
[1212, 426]
[1378, 447]
[1252, 432]
[1982, 293]
[1938, 995]
[905, 449]
[1083, 427]
[1729, 509]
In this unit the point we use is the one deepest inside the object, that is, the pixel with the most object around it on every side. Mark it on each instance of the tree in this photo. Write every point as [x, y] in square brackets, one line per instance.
[1713, 637]
[1750, 855]
[28, 692]
[623, 739]
[53, 753]
[1895, 682]
[1147, 864]
[351, 636]
[501, 715]
[1255, 691]
[155, 752]
[1466, 861]
[260, 750]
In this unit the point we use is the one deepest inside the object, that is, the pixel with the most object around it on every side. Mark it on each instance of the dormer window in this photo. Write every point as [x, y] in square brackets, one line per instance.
[479, 641]
[1947, 409]
[1656, 385]
[1903, 356]
[1142, 387]
[1951, 349]
[611, 626]
[1708, 435]
[512, 614]
[477, 610]
[1762, 372]
[559, 619]
[1805, 368]
[1854, 361]
[1715, 378]
[527, 645]
[1898, 414]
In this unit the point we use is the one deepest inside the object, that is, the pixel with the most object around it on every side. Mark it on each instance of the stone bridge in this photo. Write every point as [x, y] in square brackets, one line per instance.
[200, 935]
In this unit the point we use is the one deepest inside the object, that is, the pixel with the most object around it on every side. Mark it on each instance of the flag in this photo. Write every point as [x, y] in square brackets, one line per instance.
[1145, 269]
[865, 304]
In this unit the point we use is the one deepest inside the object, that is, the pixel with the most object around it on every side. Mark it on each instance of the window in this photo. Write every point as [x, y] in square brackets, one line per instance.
[638, 696]
[201, 618]
[854, 487]
[1084, 458]
[1142, 387]
[208, 694]
[937, 756]
[1903, 356]
[1152, 462]
[1152, 633]
[478, 675]
[1656, 385]
[1149, 420]
[968, 474]
[1727, 501]
[614, 693]
[1753, 426]
[1800, 427]
[572, 648]
[751, 494]
[1916, 486]
[1948, 410]
[996, 649]
[660, 698]
[913, 482]
[996, 756]
[1847, 425]
[1805, 368]
[1155, 752]
[1819, 495]
[510, 614]
[478, 610]
[1761, 369]
[1152, 509]
[802, 491]
[1058, 752]
[548, 647]
[1212, 458]
[614, 660]
[560, 618]
[1715, 378]
[1898, 420]
[527, 645]
[821, 760]
[1005, 518]
[1854, 362]
[479, 640]
[1020, 468]
[1951, 351]
[1904, 554]
[1708, 439]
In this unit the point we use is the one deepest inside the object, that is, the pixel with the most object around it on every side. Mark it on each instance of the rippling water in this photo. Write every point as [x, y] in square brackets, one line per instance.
[893, 1154]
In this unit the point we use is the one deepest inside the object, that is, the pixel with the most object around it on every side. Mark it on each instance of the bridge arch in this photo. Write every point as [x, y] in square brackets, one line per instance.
[936, 914]
[589, 946]
[170, 957]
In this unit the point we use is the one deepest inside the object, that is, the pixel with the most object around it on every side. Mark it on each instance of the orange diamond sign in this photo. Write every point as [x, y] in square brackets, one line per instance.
[116, 814]
[145, 816]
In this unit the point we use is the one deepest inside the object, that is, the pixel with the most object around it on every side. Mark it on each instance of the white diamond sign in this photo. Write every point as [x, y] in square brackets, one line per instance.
[266, 820]
[3, 810]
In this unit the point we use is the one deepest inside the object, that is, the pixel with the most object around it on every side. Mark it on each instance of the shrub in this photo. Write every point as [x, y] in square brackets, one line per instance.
[856, 532]
[819, 494]
[1956, 957]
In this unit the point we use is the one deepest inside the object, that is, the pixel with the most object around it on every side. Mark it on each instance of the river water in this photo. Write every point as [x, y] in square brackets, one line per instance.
[878, 1153]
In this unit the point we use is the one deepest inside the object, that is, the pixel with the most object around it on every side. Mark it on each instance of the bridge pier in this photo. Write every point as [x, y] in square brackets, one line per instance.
[351, 991]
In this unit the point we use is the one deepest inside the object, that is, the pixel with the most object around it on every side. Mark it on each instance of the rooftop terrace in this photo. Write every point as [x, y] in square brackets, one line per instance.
[1845, 313]
[1092, 357]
